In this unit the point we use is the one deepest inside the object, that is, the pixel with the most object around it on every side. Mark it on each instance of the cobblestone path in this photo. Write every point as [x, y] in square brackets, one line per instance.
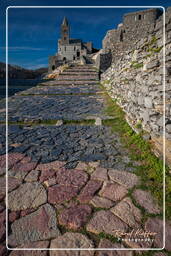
[69, 180]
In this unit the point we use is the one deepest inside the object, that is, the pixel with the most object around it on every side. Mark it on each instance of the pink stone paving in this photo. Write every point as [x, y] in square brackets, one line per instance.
[113, 191]
[145, 199]
[12, 159]
[28, 195]
[104, 243]
[12, 184]
[89, 190]
[72, 240]
[55, 165]
[24, 167]
[60, 193]
[126, 179]
[75, 178]
[100, 174]
[101, 202]
[3, 250]
[40, 244]
[2, 225]
[12, 216]
[37, 226]
[46, 175]
[81, 166]
[106, 221]
[156, 225]
[128, 212]
[75, 217]
[25, 159]
[26, 212]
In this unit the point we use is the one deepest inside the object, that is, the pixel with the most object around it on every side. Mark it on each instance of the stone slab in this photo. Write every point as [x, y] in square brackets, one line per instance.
[13, 158]
[61, 193]
[145, 199]
[75, 217]
[28, 195]
[54, 165]
[32, 176]
[104, 243]
[100, 174]
[72, 240]
[128, 212]
[113, 191]
[105, 221]
[2, 225]
[39, 225]
[13, 183]
[156, 225]
[75, 178]
[89, 190]
[126, 179]
[101, 202]
[40, 244]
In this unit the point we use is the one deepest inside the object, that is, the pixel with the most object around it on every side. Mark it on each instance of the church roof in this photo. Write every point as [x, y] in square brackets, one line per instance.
[75, 41]
[65, 21]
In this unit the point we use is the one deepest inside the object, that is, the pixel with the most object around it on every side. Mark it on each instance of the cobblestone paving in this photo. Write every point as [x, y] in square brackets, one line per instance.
[59, 89]
[68, 107]
[70, 186]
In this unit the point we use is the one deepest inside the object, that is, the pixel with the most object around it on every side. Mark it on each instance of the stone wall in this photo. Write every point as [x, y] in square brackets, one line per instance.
[135, 80]
[135, 26]
[103, 60]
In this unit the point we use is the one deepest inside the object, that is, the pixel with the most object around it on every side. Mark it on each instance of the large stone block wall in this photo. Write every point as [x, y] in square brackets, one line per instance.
[135, 80]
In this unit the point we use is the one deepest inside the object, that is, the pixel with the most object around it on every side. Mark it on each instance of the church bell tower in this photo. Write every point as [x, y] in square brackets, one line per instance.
[65, 31]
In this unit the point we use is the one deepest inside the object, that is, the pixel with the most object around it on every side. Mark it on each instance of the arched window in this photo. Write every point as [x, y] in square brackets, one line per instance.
[53, 67]
[139, 17]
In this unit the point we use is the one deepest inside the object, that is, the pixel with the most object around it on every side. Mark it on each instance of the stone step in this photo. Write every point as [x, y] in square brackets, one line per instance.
[81, 70]
[76, 78]
[69, 82]
[83, 66]
[73, 73]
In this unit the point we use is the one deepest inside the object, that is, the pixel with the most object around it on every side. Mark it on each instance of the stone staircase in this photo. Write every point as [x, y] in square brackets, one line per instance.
[79, 74]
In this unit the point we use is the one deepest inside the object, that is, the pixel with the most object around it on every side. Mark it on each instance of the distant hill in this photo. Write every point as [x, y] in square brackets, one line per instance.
[20, 73]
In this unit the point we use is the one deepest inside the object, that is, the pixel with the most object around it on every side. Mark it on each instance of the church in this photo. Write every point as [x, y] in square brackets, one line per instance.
[69, 49]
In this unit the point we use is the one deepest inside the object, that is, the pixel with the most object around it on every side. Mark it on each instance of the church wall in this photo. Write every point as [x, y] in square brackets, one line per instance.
[69, 51]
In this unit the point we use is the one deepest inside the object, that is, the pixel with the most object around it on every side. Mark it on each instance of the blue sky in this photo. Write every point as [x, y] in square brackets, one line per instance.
[33, 32]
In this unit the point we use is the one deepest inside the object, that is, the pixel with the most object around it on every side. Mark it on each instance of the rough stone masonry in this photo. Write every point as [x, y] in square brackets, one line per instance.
[135, 77]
